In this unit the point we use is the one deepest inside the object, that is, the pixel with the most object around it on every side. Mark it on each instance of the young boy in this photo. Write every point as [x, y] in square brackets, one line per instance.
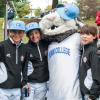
[12, 60]
[89, 71]
[38, 73]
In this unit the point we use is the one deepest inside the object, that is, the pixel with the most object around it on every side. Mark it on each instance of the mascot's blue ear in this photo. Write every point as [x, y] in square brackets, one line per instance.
[68, 12]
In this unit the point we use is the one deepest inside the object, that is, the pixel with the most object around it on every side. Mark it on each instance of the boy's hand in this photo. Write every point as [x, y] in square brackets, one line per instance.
[92, 98]
[27, 86]
[89, 99]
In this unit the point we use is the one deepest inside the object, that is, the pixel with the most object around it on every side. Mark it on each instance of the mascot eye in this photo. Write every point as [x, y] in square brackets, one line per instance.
[66, 10]
[53, 27]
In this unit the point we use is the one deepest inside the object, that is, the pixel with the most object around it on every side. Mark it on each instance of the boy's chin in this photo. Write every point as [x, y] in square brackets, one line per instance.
[84, 43]
[35, 41]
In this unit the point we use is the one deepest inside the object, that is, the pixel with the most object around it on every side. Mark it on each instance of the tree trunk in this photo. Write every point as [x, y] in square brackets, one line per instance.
[54, 3]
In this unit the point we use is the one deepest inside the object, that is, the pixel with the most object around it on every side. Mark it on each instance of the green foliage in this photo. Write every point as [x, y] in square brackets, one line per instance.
[1, 29]
[88, 8]
[22, 6]
[37, 12]
[90, 21]
[2, 8]
[22, 9]
[48, 8]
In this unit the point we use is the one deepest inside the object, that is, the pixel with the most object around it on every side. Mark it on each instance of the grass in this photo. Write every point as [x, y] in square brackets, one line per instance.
[1, 29]
[90, 22]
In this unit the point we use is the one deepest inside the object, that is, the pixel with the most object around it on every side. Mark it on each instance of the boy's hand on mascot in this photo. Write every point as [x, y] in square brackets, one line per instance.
[27, 86]
[91, 97]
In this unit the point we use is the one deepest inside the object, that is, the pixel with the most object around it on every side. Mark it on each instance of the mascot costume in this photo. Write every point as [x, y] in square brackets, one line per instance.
[63, 53]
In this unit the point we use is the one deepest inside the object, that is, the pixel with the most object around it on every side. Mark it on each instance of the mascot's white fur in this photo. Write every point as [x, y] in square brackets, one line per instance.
[63, 57]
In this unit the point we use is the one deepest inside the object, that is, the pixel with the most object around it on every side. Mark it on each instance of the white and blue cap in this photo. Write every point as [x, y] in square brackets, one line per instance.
[68, 12]
[32, 26]
[17, 25]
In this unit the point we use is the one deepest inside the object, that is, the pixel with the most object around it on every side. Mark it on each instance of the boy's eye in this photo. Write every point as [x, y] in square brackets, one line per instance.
[36, 32]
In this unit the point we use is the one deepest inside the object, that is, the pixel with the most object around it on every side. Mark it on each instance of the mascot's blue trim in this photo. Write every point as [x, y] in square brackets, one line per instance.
[56, 50]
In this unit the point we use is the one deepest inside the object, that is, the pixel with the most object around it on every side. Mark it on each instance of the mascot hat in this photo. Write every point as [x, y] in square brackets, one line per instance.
[68, 12]
[31, 26]
[17, 25]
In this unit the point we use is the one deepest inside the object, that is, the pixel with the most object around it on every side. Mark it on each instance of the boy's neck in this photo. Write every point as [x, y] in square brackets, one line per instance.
[14, 42]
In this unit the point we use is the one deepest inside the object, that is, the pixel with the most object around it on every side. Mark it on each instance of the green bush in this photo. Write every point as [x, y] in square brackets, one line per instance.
[90, 21]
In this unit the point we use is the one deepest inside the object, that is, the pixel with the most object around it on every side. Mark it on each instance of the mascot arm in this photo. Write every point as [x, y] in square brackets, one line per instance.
[59, 30]
[46, 23]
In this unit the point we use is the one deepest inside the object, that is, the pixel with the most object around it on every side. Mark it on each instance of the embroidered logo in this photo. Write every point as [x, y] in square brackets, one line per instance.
[8, 55]
[84, 59]
[31, 55]
[18, 24]
[22, 58]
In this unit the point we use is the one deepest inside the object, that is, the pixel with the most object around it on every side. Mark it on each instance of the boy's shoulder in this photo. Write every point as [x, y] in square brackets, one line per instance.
[93, 48]
[45, 42]
[3, 45]
[3, 42]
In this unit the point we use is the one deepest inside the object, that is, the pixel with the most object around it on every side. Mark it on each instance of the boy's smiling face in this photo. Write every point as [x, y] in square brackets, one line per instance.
[87, 38]
[16, 35]
[35, 36]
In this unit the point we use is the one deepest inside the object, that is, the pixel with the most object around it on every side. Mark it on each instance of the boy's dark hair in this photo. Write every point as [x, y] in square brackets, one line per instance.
[88, 29]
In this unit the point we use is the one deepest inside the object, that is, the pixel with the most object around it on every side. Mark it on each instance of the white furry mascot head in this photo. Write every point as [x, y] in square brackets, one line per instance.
[63, 54]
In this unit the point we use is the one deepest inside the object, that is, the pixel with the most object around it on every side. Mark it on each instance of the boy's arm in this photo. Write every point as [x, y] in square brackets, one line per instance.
[95, 68]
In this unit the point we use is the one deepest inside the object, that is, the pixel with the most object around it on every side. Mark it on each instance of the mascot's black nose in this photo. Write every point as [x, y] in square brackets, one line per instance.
[53, 27]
